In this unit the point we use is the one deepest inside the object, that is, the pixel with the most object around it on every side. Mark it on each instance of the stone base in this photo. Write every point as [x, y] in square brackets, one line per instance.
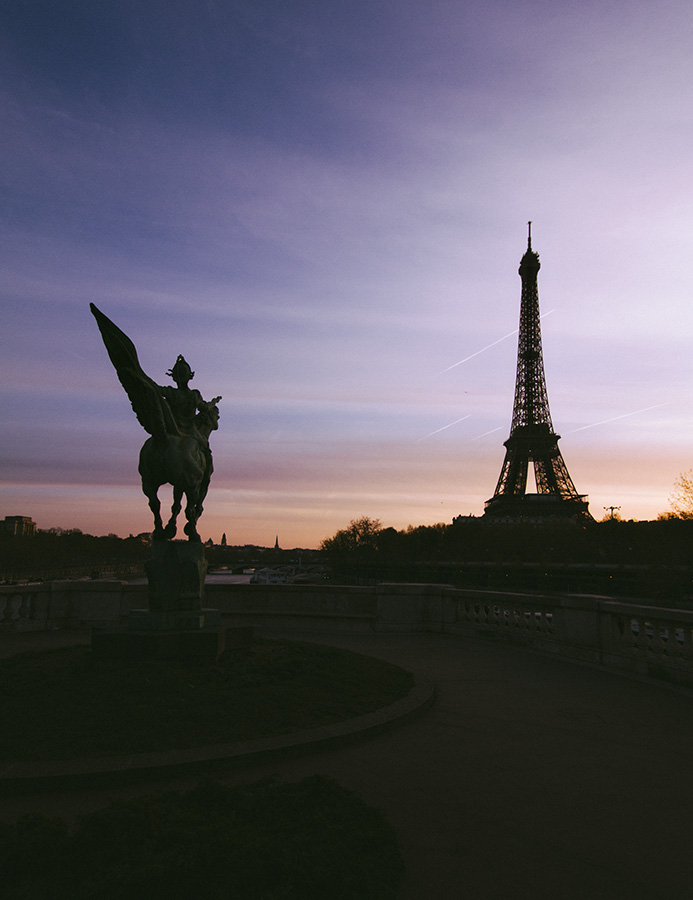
[205, 645]
[176, 575]
[173, 619]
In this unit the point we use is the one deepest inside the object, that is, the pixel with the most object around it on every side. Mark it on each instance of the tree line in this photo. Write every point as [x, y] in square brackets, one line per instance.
[68, 553]
[611, 557]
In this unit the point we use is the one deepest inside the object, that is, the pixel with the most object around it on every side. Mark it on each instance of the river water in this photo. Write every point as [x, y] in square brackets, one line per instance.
[212, 578]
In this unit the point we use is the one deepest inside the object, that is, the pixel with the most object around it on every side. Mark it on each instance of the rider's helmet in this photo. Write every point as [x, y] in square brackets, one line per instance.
[181, 371]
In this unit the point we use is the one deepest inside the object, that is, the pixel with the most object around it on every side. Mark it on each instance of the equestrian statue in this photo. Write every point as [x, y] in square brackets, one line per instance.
[179, 422]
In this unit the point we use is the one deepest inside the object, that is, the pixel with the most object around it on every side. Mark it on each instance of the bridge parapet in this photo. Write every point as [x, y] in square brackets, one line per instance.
[630, 637]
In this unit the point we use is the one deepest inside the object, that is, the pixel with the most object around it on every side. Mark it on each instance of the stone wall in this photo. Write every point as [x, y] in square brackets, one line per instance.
[633, 638]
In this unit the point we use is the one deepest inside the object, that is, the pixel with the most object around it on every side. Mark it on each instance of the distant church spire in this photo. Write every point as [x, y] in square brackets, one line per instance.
[276, 543]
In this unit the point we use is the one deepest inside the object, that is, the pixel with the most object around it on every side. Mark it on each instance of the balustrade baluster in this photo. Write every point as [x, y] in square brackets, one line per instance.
[15, 608]
[687, 646]
[642, 641]
[658, 644]
[623, 627]
[673, 646]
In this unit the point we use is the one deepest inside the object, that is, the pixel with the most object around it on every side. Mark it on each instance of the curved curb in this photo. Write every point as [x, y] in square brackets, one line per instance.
[44, 775]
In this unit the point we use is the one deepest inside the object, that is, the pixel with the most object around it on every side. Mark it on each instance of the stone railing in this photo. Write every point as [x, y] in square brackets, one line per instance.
[68, 604]
[631, 637]
[654, 642]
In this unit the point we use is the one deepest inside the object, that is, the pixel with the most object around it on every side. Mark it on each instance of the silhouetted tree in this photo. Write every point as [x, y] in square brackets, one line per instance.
[681, 501]
[352, 551]
[361, 535]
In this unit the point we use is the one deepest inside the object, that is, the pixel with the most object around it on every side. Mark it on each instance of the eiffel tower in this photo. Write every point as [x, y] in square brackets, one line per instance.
[532, 438]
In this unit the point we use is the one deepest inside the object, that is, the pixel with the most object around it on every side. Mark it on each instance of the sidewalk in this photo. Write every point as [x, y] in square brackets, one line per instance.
[530, 777]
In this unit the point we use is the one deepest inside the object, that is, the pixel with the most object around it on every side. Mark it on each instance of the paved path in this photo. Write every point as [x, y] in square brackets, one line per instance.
[530, 777]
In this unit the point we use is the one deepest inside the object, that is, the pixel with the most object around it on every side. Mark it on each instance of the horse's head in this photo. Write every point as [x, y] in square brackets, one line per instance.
[207, 418]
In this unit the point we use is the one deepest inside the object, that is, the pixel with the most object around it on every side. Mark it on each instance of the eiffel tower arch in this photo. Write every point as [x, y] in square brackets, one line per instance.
[532, 437]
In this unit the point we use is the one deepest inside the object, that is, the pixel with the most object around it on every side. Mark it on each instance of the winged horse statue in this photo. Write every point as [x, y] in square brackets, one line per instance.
[179, 422]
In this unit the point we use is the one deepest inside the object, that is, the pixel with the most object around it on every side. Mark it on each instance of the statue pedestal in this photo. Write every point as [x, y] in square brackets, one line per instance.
[175, 625]
[176, 574]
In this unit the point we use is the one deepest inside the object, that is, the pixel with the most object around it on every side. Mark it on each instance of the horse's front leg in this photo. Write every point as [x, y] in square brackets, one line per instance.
[171, 529]
[151, 493]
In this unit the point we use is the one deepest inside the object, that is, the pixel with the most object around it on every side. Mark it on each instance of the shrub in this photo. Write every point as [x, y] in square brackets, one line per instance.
[310, 840]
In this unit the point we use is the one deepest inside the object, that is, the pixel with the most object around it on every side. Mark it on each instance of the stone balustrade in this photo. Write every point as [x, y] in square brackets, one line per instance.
[68, 604]
[631, 637]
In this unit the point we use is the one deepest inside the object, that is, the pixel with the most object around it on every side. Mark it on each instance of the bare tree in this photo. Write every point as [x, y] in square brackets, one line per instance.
[681, 501]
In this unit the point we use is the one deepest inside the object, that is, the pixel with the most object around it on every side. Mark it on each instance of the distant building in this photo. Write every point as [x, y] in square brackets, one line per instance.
[23, 526]
[276, 543]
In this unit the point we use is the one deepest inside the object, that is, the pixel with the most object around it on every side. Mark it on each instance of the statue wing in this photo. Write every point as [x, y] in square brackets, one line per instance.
[151, 410]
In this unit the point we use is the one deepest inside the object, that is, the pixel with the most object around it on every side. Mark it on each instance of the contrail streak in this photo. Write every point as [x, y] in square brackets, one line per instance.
[438, 430]
[483, 349]
[492, 431]
[623, 416]
[488, 346]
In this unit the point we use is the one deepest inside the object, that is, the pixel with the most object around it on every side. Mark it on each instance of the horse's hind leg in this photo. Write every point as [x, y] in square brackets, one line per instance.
[151, 493]
[170, 530]
[191, 515]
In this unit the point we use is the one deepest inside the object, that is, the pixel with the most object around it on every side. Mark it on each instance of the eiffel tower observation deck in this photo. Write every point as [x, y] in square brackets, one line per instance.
[532, 437]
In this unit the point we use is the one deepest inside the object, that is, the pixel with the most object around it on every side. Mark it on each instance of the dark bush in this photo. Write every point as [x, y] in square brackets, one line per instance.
[310, 840]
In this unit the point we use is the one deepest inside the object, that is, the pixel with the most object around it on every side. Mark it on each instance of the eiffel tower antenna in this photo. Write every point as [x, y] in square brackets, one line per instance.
[532, 437]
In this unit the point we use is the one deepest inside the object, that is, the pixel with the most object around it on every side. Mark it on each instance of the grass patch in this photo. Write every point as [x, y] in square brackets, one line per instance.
[63, 704]
[310, 840]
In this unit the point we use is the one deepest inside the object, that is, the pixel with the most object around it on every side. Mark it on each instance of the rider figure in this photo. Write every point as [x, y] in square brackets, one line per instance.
[184, 403]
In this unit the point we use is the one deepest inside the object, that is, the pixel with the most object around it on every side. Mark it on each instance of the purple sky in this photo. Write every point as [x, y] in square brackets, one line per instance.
[323, 206]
